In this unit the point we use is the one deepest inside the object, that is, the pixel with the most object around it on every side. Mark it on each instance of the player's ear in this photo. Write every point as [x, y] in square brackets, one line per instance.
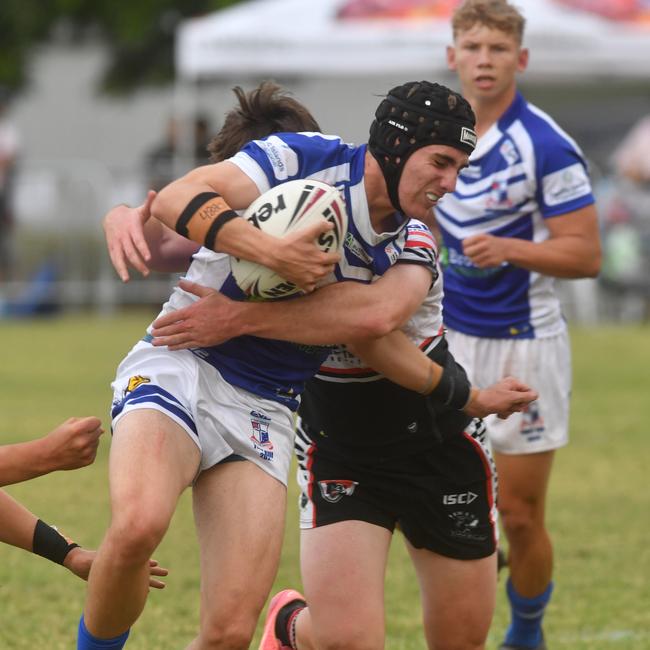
[451, 57]
[522, 62]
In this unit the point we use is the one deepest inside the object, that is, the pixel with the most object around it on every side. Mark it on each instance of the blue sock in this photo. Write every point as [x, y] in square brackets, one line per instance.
[527, 613]
[86, 641]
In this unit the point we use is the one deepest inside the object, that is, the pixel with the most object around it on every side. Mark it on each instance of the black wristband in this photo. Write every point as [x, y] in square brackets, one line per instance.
[190, 211]
[217, 224]
[453, 389]
[50, 544]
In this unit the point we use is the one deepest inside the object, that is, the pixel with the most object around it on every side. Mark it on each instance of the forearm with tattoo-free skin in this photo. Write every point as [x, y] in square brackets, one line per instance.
[572, 250]
[17, 523]
[295, 256]
[71, 445]
[344, 311]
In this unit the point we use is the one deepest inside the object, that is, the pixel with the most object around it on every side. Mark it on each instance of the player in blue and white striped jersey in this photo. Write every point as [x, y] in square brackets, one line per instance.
[367, 432]
[522, 214]
[182, 417]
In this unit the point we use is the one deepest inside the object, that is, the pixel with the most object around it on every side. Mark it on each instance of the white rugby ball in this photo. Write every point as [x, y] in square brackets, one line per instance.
[283, 209]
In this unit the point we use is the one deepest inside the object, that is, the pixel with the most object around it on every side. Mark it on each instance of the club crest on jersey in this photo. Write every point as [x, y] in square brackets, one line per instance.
[135, 381]
[498, 197]
[333, 490]
[260, 438]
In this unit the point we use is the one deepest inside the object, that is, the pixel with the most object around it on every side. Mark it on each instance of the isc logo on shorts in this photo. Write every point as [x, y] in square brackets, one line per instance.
[456, 499]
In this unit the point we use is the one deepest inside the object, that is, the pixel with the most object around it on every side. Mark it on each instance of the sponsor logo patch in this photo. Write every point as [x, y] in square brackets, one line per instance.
[566, 185]
[284, 160]
[334, 490]
[356, 248]
[468, 136]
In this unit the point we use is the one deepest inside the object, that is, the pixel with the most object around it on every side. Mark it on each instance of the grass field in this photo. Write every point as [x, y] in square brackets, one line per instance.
[599, 503]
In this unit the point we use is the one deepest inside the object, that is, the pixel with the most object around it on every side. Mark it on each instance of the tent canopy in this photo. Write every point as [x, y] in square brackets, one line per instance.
[308, 37]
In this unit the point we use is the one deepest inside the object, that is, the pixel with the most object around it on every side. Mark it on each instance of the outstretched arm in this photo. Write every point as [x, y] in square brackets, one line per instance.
[71, 445]
[134, 240]
[395, 357]
[24, 530]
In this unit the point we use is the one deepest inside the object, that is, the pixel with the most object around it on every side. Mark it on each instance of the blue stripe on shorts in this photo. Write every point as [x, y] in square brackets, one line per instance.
[152, 394]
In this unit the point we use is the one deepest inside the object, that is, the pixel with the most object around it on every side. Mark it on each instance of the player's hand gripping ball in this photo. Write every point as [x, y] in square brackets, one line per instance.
[284, 209]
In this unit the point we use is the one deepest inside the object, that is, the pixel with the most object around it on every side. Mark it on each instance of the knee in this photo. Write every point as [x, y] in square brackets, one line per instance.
[227, 634]
[521, 518]
[134, 537]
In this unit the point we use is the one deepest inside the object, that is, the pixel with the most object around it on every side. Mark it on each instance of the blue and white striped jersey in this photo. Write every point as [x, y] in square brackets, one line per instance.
[276, 369]
[524, 170]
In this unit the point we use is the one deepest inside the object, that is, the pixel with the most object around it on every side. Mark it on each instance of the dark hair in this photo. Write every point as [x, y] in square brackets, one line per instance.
[260, 112]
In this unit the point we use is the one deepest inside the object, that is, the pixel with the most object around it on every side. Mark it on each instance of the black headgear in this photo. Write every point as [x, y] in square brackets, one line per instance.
[415, 115]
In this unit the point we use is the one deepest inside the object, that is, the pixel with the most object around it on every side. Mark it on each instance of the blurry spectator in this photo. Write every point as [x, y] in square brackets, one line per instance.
[626, 222]
[159, 162]
[8, 156]
[632, 158]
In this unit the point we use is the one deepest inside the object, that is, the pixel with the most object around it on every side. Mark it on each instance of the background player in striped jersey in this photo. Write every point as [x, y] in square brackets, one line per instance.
[372, 454]
[522, 213]
[181, 417]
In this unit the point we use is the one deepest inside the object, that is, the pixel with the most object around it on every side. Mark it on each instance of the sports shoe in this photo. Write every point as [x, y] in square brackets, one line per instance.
[540, 646]
[270, 640]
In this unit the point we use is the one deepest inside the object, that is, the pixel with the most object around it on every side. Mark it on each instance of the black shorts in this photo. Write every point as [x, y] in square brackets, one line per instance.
[443, 500]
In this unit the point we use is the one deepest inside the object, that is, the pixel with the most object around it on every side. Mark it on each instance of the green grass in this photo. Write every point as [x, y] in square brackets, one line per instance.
[598, 511]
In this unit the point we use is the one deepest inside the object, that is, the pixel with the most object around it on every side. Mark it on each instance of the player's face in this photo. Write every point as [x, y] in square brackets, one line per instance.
[486, 61]
[428, 175]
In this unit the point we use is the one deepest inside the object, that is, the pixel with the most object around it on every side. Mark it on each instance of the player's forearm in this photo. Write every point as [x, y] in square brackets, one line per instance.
[563, 257]
[201, 207]
[17, 523]
[22, 461]
[336, 313]
[170, 253]
[400, 360]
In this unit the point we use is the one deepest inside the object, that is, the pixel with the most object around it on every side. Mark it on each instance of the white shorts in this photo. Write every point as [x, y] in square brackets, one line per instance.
[545, 365]
[220, 418]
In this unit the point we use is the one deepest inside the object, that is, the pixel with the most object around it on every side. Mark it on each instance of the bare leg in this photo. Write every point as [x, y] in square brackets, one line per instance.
[458, 598]
[239, 511]
[152, 460]
[523, 484]
[343, 569]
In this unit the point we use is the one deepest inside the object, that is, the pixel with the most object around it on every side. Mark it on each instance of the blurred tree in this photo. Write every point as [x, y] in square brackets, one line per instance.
[139, 35]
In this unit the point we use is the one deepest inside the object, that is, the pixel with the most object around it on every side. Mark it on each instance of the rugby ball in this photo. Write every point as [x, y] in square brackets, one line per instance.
[283, 209]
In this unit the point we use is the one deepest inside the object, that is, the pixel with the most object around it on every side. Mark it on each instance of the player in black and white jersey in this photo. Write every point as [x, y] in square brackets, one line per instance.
[199, 410]
[375, 455]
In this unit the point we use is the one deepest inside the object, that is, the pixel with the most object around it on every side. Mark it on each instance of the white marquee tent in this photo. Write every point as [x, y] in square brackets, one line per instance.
[305, 37]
